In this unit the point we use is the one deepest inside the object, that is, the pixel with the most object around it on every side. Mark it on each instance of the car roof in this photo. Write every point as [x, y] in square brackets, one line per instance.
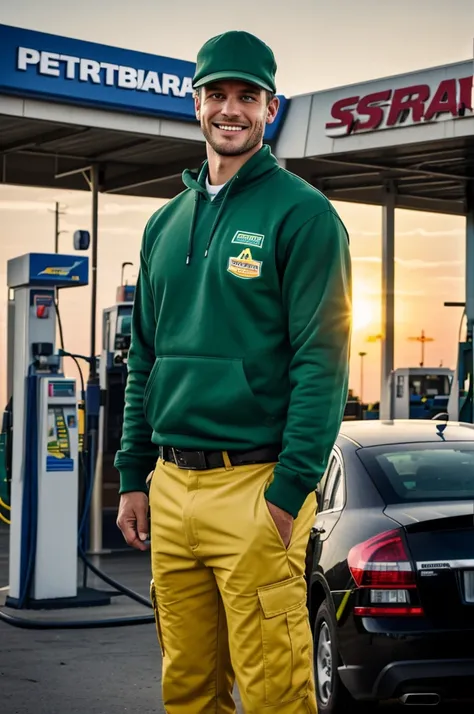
[374, 432]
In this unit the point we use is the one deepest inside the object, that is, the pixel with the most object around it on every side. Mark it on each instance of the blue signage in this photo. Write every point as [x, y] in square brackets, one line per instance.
[62, 69]
[58, 269]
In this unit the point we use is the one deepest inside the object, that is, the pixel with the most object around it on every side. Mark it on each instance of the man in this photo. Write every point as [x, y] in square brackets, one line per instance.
[238, 371]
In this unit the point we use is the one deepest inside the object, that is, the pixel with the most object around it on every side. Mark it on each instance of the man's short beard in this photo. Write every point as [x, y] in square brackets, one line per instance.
[222, 150]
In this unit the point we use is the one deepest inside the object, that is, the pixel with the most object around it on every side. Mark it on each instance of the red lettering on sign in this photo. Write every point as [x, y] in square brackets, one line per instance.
[465, 92]
[375, 113]
[410, 105]
[341, 111]
[406, 100]
[444, 100]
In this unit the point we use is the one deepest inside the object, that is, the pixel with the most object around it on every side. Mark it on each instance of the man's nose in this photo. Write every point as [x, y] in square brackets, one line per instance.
[231, 108]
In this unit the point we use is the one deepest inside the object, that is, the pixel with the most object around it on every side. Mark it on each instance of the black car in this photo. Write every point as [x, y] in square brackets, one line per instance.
[391, 566]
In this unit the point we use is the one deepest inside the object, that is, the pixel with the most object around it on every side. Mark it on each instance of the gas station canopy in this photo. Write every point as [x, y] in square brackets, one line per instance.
[410, 134]
[66, 105]
[54, 154]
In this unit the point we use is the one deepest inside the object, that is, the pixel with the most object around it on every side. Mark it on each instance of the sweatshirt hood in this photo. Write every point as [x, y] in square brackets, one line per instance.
[261, 164]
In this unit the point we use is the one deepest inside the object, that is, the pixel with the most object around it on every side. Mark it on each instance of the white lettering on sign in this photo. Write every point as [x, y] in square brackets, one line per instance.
[110, 70]
[26, 57]
[89, 70]
[151, 81]
[49, 64]
[127, 77]
[71, 63]
[83, 69]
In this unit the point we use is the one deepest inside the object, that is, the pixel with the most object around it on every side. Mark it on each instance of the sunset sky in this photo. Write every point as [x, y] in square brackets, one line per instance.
[338, 43]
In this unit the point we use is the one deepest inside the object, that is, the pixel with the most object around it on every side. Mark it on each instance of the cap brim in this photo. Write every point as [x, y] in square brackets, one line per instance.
[219, 76]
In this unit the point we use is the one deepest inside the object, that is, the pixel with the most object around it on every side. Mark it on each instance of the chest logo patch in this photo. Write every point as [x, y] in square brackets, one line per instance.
[244, 266]
[254, 240]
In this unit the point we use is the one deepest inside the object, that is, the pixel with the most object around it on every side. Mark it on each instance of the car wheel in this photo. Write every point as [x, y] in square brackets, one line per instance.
[332, 696]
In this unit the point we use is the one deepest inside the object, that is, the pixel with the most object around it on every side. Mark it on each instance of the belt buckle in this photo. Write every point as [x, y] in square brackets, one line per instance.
[202, 460]
[173, 451]
[197, 461]
[182, 463]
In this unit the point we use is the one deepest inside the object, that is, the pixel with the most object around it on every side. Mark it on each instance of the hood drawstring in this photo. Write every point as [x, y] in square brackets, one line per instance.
[214, 225]
[221, 208]
[191, 230]
[263, 163]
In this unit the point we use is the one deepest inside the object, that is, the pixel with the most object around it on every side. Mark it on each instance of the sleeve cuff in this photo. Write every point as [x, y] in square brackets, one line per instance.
[131, 479]
[285, 492]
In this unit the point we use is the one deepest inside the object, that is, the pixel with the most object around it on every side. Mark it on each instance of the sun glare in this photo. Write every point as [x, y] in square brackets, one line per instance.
[362, 313]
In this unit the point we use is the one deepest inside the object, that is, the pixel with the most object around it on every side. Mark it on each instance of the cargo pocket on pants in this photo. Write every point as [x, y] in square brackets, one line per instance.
[154, 603]
[285, 639]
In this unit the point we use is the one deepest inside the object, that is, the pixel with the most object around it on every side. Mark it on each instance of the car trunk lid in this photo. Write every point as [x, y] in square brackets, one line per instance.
[440, 538]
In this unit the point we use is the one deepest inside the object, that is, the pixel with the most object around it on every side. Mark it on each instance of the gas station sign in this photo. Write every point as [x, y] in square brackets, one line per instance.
[62, 69]
[406, 106]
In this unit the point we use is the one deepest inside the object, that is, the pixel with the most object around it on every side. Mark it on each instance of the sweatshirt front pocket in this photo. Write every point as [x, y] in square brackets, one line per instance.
[207, 394]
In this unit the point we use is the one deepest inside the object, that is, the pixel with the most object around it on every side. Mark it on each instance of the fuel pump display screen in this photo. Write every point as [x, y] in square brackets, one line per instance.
[60, 421]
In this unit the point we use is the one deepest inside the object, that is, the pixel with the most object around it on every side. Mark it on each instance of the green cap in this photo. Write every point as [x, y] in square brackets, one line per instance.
[236, 55]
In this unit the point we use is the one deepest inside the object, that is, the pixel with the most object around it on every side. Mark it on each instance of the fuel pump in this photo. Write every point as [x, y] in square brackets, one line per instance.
[420, 392]
[46, 536]
[116, 334]
[45, 445]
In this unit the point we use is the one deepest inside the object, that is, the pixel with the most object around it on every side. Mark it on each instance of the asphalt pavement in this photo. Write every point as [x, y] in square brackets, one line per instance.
[86, 671]
[83, 671]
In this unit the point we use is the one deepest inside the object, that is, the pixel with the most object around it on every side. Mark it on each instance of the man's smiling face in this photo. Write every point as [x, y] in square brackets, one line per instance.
[233, 115]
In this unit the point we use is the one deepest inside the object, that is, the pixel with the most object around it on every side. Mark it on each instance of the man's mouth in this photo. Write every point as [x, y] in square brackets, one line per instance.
[230, 127]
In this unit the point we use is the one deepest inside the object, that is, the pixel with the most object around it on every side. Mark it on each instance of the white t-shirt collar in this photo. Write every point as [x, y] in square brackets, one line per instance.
[213, 190]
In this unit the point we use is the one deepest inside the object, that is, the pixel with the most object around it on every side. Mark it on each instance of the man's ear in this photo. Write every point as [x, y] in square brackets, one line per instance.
[272, 110]
[197, 104]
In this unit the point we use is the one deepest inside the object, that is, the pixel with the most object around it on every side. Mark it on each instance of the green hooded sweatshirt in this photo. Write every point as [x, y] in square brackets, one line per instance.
[240, 328]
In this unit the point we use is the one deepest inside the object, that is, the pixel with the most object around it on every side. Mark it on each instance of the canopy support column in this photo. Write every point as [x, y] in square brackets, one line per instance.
[388, 302]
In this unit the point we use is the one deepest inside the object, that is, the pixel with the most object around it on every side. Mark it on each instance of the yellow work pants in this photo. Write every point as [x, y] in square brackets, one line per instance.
[228, 596]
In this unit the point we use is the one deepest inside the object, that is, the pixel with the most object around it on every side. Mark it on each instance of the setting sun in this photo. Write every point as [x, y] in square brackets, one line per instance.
[362, 313]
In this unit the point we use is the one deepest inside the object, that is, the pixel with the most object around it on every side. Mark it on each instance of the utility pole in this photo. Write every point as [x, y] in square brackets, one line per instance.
[362, 355]
[56, 228]
[423, 339]
[57, 232]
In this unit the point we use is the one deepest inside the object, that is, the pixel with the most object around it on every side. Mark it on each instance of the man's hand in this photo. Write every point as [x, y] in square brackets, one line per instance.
[132, 518]
[283, 521]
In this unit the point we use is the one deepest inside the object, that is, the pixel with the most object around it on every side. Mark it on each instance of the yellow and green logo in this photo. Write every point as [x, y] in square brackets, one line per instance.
[253, 240]
[244, 266]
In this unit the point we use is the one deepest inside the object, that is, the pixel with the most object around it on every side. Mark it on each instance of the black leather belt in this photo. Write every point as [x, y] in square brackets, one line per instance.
[203, 460]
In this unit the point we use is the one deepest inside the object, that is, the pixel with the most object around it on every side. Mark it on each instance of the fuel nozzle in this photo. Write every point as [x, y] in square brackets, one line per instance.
[44, 358]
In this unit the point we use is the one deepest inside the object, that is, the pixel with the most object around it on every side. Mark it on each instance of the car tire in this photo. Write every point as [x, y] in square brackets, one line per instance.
[332, 696]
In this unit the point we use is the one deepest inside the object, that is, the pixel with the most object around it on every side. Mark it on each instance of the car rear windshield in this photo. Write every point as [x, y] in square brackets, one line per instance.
[421, 472]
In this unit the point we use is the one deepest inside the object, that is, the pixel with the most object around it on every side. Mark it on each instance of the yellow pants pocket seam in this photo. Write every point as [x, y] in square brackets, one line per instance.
[154, 603]
[285, 640]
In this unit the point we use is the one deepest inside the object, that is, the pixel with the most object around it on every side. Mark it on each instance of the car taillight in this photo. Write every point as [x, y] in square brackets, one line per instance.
[382, 569]
[381, 562]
